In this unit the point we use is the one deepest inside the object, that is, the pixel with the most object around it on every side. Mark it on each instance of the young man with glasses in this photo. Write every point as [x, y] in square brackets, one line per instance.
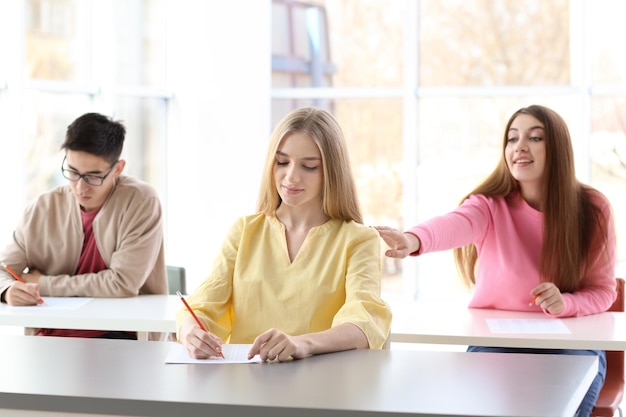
[100, 235]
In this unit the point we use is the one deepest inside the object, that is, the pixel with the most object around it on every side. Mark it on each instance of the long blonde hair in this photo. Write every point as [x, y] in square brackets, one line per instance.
[339, 197]
[571, 219]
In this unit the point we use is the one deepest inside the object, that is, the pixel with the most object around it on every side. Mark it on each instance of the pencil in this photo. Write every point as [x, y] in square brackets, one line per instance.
[194, 316]
[533, 300]
[17, 277]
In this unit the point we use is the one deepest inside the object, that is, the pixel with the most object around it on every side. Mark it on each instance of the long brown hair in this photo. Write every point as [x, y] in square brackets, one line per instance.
[571, 219]
[339, 196]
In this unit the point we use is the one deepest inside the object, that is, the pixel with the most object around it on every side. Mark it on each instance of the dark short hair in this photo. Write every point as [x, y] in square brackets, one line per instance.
[96, 134]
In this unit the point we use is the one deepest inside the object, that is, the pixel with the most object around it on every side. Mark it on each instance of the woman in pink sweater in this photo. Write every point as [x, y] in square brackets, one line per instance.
[531, 236]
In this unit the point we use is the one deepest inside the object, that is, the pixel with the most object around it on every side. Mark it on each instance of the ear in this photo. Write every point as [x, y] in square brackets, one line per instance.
[119, 167]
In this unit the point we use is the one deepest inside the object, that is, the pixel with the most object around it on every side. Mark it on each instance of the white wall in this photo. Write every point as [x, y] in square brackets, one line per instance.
[12, 196]
[219, 124]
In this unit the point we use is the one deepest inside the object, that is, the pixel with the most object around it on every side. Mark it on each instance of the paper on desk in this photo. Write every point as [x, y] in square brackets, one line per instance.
[527, 326]
[58, 303]
[233, 353]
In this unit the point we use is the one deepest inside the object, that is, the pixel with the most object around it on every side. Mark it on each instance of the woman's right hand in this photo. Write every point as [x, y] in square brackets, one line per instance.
[199, 344]
[400, 244]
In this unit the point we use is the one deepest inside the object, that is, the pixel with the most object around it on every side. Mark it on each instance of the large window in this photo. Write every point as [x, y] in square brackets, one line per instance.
[82, 56]
[424, 88]
[190, 86]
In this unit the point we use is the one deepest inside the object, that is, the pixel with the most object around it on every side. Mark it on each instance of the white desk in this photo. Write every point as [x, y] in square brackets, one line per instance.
[432, 322]
[145, 313]
[130, 378]
[452, 323]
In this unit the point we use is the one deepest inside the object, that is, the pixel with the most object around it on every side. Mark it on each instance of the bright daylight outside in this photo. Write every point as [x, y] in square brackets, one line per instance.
[422, 90]
[475, 63]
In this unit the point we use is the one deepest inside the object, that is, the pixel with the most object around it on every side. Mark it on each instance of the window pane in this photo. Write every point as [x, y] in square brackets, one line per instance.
[479, 42]
[46, 117]
[281, 107]
[608, 160]
[144, 147]
[343, 43]
[56, 40]
[606, 35]
[140, 46]
[373, 131]
[300, 50]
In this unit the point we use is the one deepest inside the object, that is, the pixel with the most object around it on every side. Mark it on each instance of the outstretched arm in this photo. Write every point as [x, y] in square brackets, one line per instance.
[400, 244]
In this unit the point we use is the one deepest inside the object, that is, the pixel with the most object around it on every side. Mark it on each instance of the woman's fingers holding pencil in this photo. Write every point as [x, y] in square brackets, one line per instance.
[200, 344]
[547, 296]
[213, 342]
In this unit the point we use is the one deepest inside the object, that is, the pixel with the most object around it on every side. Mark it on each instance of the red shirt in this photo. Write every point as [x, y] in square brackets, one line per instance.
[90, 261]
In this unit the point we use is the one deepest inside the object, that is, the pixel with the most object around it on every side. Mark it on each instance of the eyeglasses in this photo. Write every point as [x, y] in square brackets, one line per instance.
[94, 180]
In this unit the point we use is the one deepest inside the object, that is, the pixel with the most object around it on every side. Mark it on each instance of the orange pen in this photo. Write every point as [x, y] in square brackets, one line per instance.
[194, 316]
[533, 300]
[17, 277]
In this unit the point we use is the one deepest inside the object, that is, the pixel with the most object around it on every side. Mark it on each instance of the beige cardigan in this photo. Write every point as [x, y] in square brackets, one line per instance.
[128, 231]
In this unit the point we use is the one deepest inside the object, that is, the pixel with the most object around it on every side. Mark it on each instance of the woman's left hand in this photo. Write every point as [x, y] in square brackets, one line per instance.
[547, 296]
[275, 345]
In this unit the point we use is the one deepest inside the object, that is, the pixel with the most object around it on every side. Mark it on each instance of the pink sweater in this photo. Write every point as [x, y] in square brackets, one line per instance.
[508, 234]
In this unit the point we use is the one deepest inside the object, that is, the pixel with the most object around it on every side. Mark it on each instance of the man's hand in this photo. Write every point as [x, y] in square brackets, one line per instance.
[22, 294]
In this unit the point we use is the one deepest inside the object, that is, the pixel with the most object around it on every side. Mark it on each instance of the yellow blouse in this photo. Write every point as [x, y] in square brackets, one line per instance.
[335, 278]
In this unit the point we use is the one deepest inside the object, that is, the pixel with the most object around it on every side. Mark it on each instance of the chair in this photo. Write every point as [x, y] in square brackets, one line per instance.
[176, 279]
[612, 392]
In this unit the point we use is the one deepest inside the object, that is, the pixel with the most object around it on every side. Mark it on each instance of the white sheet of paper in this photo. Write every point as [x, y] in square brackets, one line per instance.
[233, 353]
[58, 303]
[527, 326]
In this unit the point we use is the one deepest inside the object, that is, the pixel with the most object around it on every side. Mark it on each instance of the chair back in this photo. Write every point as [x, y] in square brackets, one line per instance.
[618, 304]
[176, 279]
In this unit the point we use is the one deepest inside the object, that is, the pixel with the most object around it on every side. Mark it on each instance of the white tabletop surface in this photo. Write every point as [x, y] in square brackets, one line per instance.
[429, 321]
[442, 322]
[145, 313]
[121, 377]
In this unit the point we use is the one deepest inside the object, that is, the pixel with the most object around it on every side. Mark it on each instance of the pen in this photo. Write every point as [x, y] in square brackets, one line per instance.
[17, 277]
[194, 316]
[533, 300]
